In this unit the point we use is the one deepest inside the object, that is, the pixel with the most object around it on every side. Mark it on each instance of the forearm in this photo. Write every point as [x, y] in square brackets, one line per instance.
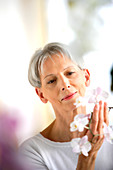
[86, 162]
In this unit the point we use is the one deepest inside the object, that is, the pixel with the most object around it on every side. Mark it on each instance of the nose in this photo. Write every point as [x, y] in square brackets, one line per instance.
[65, 88]
[64, 83]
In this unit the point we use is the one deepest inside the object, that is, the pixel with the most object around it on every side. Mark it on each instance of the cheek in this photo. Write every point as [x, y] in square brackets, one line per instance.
[82, 90]
[78, 81]
[79, 84]
[50, 95]
[82, 87]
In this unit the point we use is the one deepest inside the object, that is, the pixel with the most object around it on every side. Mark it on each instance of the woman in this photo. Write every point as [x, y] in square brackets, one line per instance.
[60, 81]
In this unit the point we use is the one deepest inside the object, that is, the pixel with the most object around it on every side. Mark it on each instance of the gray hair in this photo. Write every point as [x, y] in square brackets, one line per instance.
[37, 60]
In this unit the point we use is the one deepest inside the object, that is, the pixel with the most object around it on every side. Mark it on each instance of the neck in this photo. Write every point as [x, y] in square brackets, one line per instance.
[64, 118]
[59, 130]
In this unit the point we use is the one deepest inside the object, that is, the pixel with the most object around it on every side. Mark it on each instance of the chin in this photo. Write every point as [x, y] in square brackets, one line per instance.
[69, 106]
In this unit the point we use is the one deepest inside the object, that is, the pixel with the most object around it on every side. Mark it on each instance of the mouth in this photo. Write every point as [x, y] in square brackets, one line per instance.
[71, 95]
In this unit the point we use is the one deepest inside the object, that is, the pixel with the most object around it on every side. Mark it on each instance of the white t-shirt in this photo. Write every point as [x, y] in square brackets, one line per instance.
[43, 154]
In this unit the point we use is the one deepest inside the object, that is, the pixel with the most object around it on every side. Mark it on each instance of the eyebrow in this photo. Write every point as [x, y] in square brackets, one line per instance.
[53, 74]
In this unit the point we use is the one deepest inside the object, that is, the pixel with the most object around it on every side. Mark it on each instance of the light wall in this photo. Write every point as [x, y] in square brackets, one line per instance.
[22, 30]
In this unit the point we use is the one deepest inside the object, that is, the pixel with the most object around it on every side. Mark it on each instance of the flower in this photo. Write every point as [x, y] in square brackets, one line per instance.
[96, 95]
[80, 101]
[80, 122]
[81, 145]
[108, 133]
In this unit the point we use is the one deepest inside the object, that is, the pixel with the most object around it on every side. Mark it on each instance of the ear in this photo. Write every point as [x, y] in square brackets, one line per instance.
[40, 94]
[87, 77]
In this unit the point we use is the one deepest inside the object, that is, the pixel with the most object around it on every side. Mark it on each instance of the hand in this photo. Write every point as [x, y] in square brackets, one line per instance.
[100, 115]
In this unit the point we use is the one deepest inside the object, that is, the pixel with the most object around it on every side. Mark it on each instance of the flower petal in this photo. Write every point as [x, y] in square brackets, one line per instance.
[84, 151]
[108, 133]
[75, 141]
[92, 99]
[72, 129]
[98, 90]
[86, 148]
[84, 140]
[80, 128]
[76, 149]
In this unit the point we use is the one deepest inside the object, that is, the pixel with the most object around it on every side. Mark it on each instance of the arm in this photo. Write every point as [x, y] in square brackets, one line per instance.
[100, 115]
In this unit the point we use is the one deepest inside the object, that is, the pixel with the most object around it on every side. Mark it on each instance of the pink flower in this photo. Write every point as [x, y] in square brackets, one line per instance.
[80, 122]
[81, 145]
[97, 94]
[108, 133]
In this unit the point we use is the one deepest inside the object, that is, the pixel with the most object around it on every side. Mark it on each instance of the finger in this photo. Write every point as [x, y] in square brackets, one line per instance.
[95, 118]
[106, 118]
[94, 139]
[101, 120]
[96, 146]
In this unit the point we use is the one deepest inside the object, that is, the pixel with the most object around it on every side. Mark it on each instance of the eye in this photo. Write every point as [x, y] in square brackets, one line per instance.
[51, 81]
[70, 73]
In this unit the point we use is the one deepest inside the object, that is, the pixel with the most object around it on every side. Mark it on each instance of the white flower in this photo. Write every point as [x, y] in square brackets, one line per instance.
[80, 101]
[81, 145]
[80, 122]
[108, 133]
[97, 94]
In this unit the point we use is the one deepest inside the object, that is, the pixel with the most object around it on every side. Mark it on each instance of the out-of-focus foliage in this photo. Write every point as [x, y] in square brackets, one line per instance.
[91, 3]
[85, 21]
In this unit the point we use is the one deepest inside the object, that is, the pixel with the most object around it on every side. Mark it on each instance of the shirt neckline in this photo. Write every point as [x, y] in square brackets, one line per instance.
[53, 142]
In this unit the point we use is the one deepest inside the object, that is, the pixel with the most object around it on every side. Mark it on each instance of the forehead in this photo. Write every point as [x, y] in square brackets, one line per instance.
[56, 63]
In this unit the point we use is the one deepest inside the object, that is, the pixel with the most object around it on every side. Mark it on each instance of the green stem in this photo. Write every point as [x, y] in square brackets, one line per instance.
[90, 124]
[86, 127]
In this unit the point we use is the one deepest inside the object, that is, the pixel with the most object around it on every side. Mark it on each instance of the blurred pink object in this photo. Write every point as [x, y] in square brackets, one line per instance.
[108, 133]
[9, 156]
[96, 95]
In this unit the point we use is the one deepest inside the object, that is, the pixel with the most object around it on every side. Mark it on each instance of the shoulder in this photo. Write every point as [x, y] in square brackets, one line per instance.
[31, 152]
[32, 148]
[32, 143]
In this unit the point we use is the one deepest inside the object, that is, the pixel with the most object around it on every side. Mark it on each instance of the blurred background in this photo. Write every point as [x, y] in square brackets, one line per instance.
[85, 26]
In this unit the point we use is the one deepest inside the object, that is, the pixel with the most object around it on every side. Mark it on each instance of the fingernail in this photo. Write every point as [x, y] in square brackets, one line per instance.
[101, 102]
[97, 107]
[105, 104]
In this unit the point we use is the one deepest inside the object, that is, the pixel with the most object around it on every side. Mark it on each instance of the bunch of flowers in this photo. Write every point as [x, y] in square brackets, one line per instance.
[82, 121]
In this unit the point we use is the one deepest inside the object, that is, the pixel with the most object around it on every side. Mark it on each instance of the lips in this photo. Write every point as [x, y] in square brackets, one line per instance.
[69, 96]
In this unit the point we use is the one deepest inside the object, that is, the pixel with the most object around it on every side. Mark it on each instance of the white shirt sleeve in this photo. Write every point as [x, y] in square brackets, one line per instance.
[32, 158]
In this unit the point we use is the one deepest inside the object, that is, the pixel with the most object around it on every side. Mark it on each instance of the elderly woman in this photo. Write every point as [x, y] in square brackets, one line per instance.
[59, 80]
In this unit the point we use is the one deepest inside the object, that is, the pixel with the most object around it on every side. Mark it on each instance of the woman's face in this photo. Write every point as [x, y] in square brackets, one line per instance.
[62, 82]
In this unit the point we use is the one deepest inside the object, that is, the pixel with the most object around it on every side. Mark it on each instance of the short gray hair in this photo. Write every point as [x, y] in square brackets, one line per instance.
[37, 60]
